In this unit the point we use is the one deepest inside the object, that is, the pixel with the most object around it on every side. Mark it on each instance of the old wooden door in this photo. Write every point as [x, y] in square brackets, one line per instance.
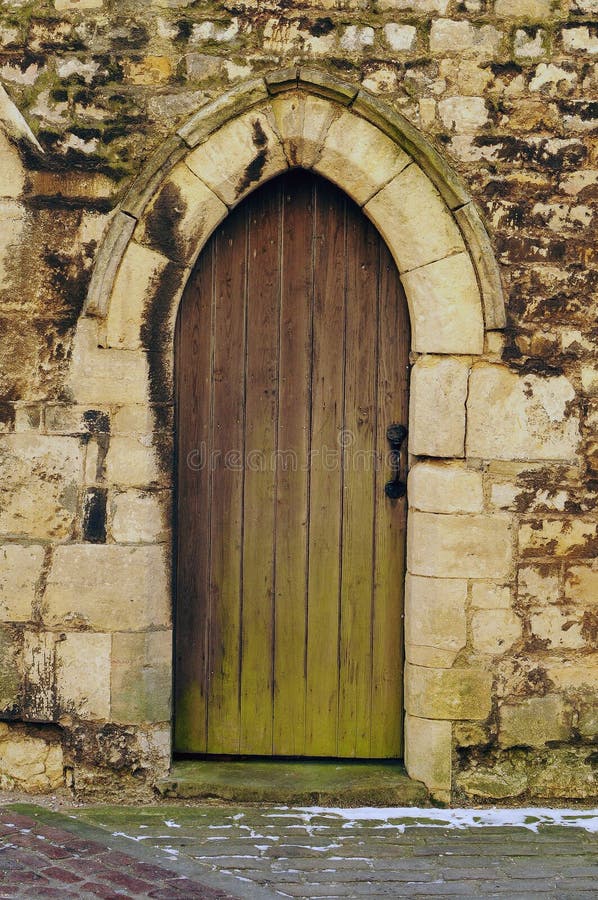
[291, 363]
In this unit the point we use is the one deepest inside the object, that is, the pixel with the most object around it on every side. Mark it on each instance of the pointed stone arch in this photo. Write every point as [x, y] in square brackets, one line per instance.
[305, 118]
[122, 352]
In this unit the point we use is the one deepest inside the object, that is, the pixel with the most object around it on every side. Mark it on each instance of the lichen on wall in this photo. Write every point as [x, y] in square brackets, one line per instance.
[501, 89]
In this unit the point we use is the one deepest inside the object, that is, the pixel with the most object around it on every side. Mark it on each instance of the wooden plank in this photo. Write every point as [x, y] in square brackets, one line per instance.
[325, 475]
[391, 517]
[358, 487]
[193, 379]
[292, 465]
[230, 265]
[263, 293]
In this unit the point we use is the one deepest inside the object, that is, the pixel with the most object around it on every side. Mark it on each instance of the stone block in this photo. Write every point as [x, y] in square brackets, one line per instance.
[356, 38]
[435, 614]
[400, 38]
[139, 517]
[580, 39]
[12, 172]
[108, 587]
[11, 647]
[564, 537]
[568, 773]
[77, 5]
[587, 722]
[361, 159]
[445, 488]
[132, 461]
[494, 631]
[528, 417]
[573, 675]
[103, 376]
[150, 70]
[534, 722]
[416, 6]
[138, 273]
[239, 156]
[437, 406]
[215, 114]
[27, 418]
[449, 35]
[487, 595]
[428, 752]
[581, 585]
[463, 114]
[39, 673]
[560, 628]
[30, 763]
[40, 477]
[20, 569]
[431, 657]
[533, 10]
[142, 419]
[447, 693]
[443, 546]
[14, 224]
[410, 214]
[526, 46]
[83, 674]
[538, 585]
[470, 734]
[446, 307]
[181, 216]
[141, 677]
[496, 783]
[302, 122]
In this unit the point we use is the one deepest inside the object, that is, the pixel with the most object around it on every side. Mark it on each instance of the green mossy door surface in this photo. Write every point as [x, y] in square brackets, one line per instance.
[291, 362]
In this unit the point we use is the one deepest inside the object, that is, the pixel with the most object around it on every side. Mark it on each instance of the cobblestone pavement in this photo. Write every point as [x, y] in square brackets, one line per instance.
[166, 851]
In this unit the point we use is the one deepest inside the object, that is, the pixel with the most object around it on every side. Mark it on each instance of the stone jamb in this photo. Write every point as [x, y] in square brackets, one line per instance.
[136, 274]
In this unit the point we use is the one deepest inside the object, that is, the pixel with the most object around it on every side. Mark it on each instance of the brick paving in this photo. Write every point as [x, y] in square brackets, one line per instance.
[252, 852]
[42, 861]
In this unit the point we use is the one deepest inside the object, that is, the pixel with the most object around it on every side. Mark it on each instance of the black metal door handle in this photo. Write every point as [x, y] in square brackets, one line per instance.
[395, 488]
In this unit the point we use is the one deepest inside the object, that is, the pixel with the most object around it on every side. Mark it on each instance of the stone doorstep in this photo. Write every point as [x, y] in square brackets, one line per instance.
[119, 842]
[292, 782]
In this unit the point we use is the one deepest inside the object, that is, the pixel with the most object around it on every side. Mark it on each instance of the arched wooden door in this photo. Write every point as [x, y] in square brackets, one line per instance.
[291, 363]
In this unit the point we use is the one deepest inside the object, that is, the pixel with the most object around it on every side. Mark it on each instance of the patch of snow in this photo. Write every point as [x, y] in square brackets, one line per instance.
[400, 818]
[171, 824]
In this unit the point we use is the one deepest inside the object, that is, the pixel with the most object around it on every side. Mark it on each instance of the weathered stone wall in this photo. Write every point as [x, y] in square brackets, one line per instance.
[502, 591]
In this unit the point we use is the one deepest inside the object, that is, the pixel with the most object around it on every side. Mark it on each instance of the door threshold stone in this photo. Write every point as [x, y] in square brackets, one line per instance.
[305, 782]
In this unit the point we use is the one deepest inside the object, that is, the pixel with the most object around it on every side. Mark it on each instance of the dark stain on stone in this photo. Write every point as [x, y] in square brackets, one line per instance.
[70, 279]
[537, 366]
[185, 27]
[321, 27]
[342, 65]
[585, 110]
[107, 745]
[259, 135]
[96, 421]
[517, 150]
[589, 628]
[507, 68]
[255, 168]
[127, 35]
[7, 416]
[155, 333]
[94, 515]
[162, 224]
